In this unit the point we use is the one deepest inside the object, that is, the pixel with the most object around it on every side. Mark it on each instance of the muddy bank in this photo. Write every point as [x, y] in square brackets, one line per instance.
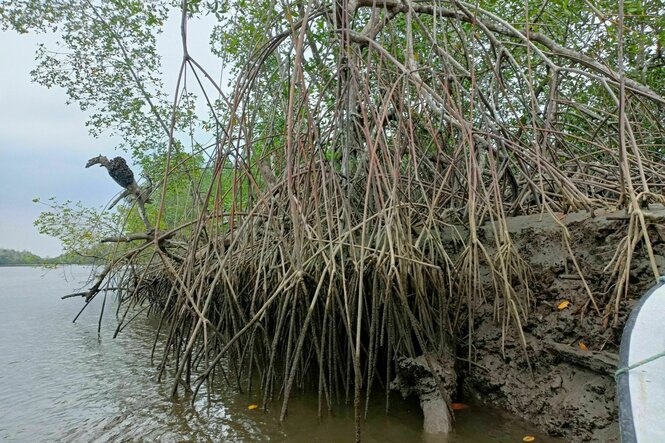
[573, 351]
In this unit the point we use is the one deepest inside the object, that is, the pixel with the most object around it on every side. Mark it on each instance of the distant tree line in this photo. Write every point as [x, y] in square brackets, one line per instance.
[13, 257]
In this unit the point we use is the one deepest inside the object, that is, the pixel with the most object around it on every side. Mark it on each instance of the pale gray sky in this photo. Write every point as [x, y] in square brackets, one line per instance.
[44, 144]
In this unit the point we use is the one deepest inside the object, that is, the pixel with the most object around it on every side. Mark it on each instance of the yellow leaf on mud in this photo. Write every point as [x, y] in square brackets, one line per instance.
[529, 438]
[583, 346]
[250, 407]
[458, 406]
[564, 304]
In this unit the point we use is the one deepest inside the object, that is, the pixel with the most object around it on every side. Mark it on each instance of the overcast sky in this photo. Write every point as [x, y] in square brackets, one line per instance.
[44, 143]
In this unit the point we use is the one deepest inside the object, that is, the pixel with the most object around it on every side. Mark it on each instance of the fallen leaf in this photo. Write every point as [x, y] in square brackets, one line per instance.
[529, 438]
[564, 304]
[250, 407]
[583, 346]
[458, 406]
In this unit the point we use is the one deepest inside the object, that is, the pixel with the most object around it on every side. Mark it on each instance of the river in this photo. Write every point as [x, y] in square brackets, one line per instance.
[61, 381]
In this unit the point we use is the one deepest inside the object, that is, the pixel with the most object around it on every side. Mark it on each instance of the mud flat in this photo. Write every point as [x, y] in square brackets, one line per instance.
[573, 350]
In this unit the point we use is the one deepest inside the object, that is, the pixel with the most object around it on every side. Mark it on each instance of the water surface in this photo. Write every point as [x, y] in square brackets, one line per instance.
[62, 381]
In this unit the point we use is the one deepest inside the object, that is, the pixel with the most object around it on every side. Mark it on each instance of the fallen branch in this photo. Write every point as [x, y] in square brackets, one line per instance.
[601, 362]
[81, 294]
[127, 238]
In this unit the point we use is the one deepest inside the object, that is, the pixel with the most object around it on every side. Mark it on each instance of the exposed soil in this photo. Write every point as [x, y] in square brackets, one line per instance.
[573, 351]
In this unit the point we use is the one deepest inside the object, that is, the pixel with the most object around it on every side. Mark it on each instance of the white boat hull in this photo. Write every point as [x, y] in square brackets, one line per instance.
[641, 374]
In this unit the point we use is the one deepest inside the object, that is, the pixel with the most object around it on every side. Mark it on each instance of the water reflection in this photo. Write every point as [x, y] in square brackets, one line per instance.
[61, 381]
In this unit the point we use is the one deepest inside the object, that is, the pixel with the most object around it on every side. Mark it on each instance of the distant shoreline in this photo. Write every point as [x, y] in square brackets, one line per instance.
[41, 265]
[12, 257]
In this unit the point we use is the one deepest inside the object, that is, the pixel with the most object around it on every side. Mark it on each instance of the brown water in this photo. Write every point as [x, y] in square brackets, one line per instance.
[60, 381]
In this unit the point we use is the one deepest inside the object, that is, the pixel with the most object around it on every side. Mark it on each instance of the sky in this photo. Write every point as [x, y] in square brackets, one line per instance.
[44, 143]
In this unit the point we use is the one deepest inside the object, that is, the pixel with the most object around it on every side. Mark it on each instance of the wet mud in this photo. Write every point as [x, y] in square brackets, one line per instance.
[566, 386]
